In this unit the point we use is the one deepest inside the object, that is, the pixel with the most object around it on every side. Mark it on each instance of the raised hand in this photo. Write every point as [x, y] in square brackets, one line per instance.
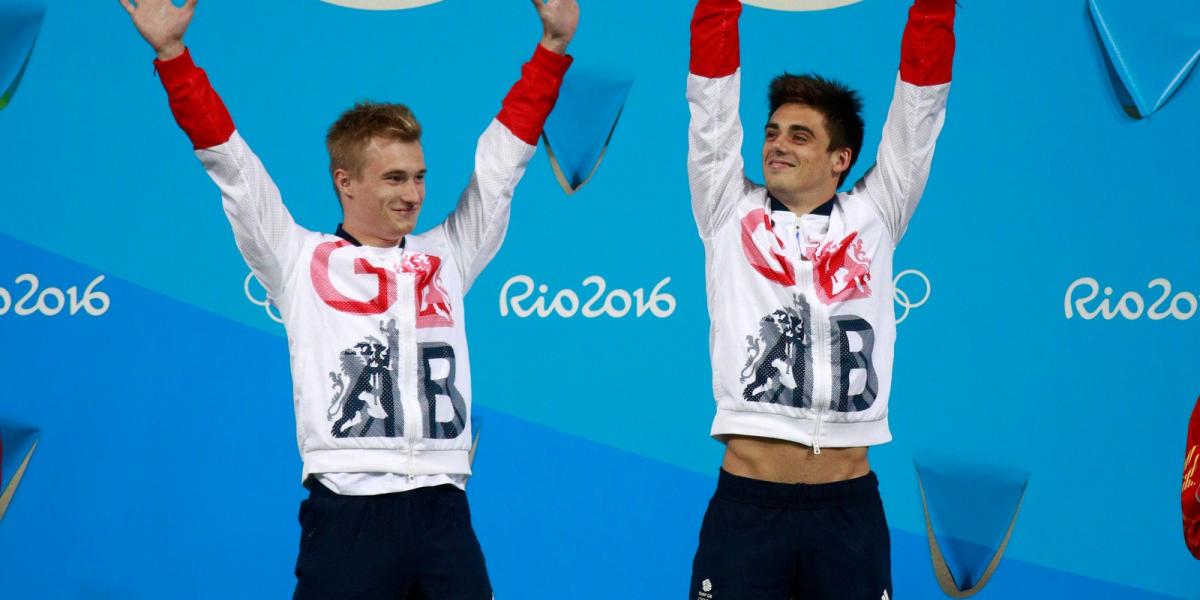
[559, 20]
[161, 23]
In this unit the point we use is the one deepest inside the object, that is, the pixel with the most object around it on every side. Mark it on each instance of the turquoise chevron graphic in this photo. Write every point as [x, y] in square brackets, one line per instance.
[1151, 47]
[970, 513]
[20, 23]
[584, 120]
[17, 445]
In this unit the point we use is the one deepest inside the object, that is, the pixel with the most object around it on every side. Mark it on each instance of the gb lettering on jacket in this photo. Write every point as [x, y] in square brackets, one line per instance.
[373, 284]
[802, 256]
[400, 293]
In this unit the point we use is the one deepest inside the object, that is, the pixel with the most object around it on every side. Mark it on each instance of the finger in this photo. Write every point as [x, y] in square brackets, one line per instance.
[538, 5]
[128, 6]
[190, 5]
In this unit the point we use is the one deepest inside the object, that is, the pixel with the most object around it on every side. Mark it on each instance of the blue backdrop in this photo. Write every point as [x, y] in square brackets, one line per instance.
[1053, 252]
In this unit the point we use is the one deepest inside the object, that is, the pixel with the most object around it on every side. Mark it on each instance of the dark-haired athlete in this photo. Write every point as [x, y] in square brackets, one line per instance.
[800, 298]
[374, 316]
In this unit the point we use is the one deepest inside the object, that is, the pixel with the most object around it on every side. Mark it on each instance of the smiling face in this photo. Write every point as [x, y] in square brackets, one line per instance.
[797, 160]
[378, 171]
[382, 199]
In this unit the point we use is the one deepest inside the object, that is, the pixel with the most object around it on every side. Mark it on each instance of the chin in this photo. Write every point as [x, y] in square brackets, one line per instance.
[403, 229]
[777, 188]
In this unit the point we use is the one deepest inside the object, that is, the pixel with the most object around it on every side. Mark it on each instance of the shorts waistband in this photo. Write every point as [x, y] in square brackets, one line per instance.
[318, 490]
[797, 495]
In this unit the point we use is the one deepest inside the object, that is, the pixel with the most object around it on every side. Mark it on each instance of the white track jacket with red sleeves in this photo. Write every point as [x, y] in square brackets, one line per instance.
[803, 327]
[380, 373]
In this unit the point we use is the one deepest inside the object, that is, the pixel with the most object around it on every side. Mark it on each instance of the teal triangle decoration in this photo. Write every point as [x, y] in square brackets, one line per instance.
[20, 22]
[583, 122]
[1151, 48]
[971, 511]
[17, 446]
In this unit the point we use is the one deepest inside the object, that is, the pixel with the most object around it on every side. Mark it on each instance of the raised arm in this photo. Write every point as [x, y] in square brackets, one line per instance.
[715, 168]
[895, 184]
[478, 224]
[262, 226]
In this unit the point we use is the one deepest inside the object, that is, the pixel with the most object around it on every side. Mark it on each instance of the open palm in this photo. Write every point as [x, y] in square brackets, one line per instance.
[160, 22]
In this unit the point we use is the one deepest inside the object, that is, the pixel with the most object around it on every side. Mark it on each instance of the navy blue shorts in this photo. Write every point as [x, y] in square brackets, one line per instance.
[409, 545]
[777, 541]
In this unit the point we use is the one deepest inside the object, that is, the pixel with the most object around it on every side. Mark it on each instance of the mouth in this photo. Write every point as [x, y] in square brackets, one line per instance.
[405, 211]
[778, 164]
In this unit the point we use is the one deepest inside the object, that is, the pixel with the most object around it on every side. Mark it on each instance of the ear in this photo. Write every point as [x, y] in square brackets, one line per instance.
[841, 161]
[343, 182]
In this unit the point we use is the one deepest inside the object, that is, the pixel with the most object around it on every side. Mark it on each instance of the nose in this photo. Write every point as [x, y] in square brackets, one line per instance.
[411, 192]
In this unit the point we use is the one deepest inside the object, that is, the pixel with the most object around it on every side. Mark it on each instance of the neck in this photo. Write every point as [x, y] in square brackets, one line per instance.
[367, 239]
[802, 202]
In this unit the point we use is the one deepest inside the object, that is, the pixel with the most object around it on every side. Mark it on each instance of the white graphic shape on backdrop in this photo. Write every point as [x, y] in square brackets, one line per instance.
[1085, 299]
[31, 297]
[600, 301]
[254, 299]
[911, 295]
[381, 4]
[798, 5]
[791, 5]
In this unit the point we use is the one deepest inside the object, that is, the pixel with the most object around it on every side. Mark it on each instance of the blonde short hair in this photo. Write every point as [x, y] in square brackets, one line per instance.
[350, 135]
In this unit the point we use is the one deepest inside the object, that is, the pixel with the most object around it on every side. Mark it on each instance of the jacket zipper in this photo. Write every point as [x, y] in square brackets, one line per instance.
[407, 363]
[818, 326]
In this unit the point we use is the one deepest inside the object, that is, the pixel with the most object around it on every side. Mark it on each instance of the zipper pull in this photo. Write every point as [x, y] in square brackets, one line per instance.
[816, 446]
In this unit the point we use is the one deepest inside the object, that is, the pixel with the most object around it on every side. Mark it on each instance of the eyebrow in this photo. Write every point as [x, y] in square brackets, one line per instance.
[793, 128]
[403, 172]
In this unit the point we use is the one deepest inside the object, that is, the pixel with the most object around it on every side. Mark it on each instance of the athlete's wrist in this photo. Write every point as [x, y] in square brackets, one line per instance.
[555, 45]
[169, 50]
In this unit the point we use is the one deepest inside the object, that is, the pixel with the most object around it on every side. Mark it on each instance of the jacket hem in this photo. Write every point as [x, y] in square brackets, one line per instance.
[800, 429]
[423, 462]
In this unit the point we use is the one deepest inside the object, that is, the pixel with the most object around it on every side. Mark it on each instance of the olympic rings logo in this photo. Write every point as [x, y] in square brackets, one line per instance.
[268, 307]
[905, 300]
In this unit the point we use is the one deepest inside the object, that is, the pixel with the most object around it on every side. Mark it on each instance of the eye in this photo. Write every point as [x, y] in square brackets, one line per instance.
[420, 178]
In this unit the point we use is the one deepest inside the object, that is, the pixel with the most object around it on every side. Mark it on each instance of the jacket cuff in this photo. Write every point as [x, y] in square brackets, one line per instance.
[529, 102]
[177, 68]
[927, 52]
[553, 64]
[197, 108]
[935, 6]
[715, 43]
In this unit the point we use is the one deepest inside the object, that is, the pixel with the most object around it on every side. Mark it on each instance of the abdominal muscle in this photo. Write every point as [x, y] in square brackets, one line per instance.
[781, 461]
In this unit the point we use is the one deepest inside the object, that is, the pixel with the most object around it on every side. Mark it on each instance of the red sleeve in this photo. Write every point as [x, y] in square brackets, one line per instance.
[1191, 504]
[197, 108]
[927, 53]
[531, 99]
[715, 50]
